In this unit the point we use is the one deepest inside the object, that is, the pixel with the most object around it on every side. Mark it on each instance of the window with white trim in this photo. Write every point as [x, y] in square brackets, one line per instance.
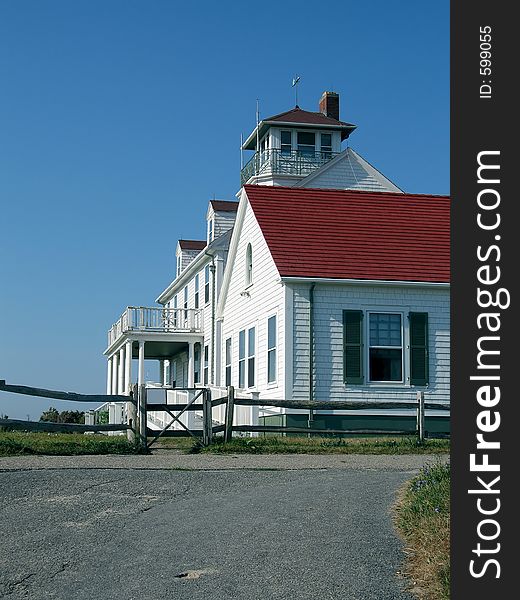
[206, 284]
[210, 230]
[286, 142]
[197, 283]
[271, 349]
[186, 303]
[206, 365]
[228, 362]
[385, 347]
[326, 145]
[242, 358]
[196, 362]
[251, 345]
[306, 143]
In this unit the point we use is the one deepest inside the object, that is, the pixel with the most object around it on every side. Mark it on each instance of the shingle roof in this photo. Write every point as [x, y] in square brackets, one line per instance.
[224, 205]
[345, 234]
[298, 115]
[192, 244]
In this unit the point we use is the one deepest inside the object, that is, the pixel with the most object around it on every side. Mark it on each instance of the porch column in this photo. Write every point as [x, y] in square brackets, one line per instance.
[191, 364]
[128, 368]
[114, 373]
[121, 372]
[161, 371]
[140, 374]
[109, 376]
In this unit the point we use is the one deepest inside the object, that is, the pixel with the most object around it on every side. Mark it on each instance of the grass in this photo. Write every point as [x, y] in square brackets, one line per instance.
[422, 517]
[328, 445]
[66, 444]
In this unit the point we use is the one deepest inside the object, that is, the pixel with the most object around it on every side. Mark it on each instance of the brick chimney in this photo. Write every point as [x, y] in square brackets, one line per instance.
[329, 105]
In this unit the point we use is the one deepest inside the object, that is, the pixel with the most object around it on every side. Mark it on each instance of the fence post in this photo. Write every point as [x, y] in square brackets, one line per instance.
[420, 416]
[131, 411]
[230, 413]
[141, 419]
[207, 418]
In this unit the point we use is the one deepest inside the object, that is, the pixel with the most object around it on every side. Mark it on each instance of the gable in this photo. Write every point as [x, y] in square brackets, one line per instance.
[349, 171]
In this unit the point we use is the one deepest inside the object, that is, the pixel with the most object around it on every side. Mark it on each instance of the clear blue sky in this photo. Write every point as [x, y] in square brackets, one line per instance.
[120, 119]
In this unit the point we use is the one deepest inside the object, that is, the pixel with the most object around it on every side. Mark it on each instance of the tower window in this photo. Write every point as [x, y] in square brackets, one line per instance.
[326, 145]
[286, 144]
[306, 143]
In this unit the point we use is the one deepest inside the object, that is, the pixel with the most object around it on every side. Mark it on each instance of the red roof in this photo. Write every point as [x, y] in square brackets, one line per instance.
[344, 234]
[192, 244]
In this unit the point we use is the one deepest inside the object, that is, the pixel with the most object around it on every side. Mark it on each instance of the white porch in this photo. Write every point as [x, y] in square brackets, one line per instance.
[150, 333]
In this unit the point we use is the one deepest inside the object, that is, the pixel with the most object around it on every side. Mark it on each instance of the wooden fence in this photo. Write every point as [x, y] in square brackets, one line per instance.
[65, 427]
[420, 406]
[137, 408]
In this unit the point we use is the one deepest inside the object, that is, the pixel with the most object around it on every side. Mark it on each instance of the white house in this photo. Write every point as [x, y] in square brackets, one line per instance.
[324, 281]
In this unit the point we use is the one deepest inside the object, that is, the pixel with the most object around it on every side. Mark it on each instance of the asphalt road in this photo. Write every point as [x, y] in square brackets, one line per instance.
[119, 530]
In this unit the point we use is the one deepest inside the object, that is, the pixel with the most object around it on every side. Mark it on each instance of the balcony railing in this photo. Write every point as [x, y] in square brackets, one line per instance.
[153, 319]
[284, 162]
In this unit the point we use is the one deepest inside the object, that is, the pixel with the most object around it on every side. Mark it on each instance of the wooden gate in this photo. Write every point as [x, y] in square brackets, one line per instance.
[201, 401]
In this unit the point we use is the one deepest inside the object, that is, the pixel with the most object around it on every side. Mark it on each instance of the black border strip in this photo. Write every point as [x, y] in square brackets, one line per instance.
[484, 124]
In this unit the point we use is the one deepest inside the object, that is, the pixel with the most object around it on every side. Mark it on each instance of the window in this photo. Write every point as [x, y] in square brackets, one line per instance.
[286, 144]
[197, 290]
[178, 264]
[186, 303]
[206, 284]
[175, 312]
[210, 231]
[228, 361]
[271, 349]
[242, 358]
[173, 373]
[385, 355]
[385, 347]
[326, 145]
[306, 143]
[206, 365]
[251, 357]
[196, 363]
[249, 265]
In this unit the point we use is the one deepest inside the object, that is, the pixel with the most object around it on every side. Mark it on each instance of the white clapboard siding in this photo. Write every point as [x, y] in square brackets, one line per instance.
[266, 298]
[222, 221]
[329, 303]
[349, 171]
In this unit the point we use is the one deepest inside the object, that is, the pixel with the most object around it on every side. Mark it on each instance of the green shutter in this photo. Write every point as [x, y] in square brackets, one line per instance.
[353, 342]
[418, 348]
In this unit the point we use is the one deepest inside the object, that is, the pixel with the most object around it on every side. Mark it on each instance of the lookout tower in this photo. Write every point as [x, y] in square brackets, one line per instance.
[291, 145]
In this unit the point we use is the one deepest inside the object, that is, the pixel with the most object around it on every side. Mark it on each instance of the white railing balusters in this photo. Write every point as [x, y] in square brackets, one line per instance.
[154, 319]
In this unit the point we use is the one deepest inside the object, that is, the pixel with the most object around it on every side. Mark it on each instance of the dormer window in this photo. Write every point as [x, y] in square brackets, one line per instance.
[249, 265]
[286, 144]
[306, 143]
[210, 230]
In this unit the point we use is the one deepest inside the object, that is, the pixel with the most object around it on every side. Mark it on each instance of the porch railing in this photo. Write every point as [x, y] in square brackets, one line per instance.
[154, 319]
[284, 162]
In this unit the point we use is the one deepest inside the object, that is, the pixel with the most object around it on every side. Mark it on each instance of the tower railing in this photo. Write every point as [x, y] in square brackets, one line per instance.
[284, 162]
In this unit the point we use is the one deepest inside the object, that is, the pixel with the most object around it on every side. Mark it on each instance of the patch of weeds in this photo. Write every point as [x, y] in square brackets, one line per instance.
[327, 445]
[64, 444]
[423, 519]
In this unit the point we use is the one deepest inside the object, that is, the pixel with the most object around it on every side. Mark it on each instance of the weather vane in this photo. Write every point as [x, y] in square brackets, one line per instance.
[295, 81]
